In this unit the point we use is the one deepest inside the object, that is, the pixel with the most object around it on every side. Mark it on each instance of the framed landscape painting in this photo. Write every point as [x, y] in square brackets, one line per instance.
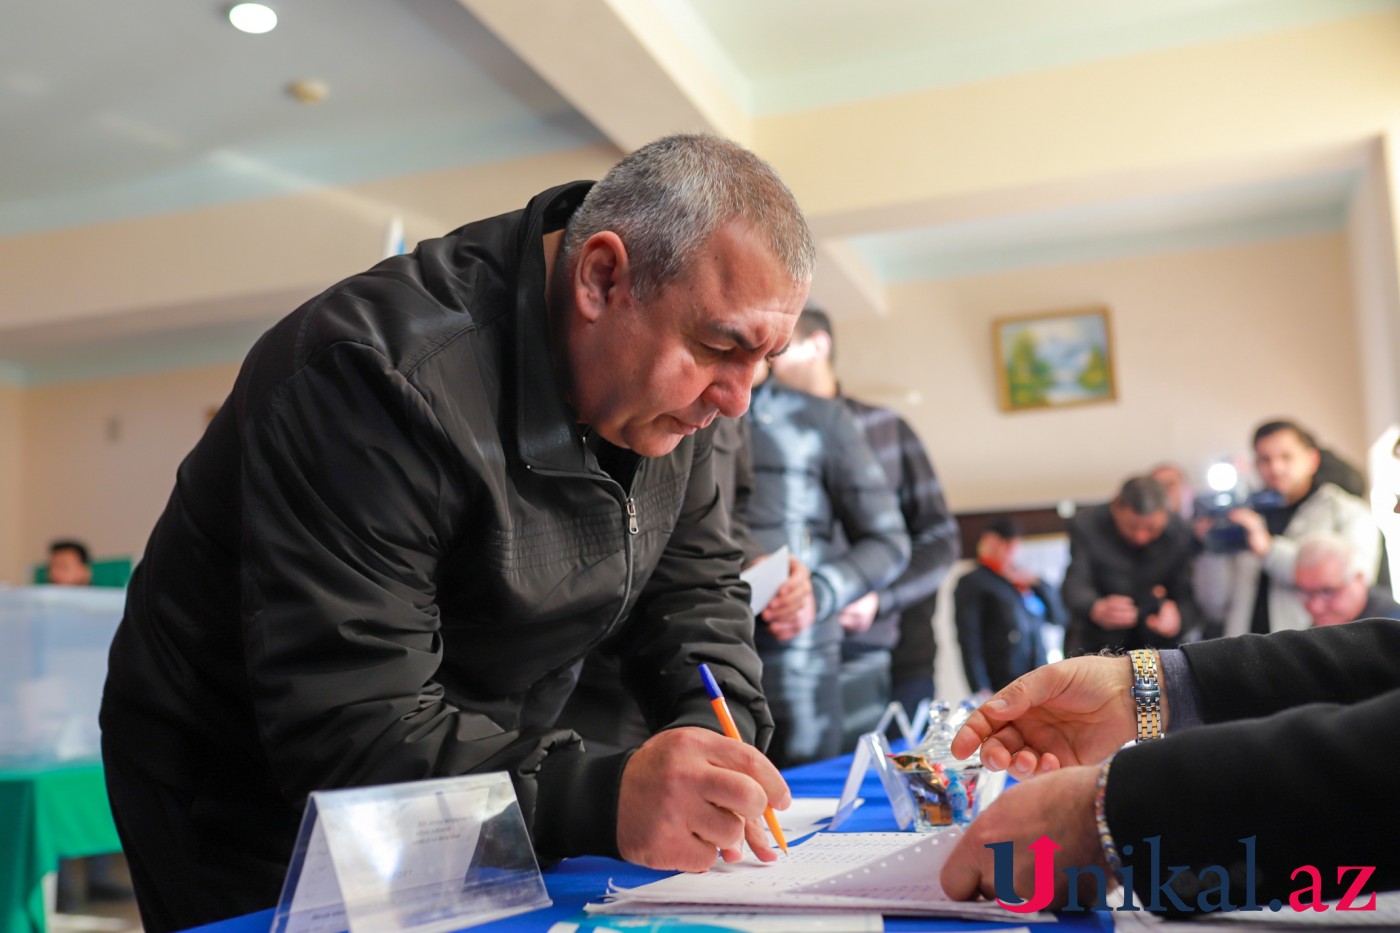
[1053, 359]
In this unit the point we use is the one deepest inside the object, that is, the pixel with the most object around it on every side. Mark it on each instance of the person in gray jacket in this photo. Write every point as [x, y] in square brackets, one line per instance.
[434, 488]
[818, 489]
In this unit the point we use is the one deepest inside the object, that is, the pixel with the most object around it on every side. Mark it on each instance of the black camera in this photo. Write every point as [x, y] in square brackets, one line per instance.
[1225, 536]
[1148, 605]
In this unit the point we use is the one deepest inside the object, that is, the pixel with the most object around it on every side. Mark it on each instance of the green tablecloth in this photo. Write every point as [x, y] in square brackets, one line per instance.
[47, 812]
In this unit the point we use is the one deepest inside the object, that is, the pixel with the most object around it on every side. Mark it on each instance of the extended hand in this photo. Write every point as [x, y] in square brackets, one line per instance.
[793, 608]
[1074, 712]
[689, 792]
[1060, 806]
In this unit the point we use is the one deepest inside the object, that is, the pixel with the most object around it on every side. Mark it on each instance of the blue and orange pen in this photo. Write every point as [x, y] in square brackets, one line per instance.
[726, 723]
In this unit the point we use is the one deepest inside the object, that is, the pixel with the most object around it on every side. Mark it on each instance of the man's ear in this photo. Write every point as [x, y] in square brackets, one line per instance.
[600, 278]
[822, 341]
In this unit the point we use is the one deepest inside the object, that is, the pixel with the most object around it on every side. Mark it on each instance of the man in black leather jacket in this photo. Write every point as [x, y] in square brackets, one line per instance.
[434, 488]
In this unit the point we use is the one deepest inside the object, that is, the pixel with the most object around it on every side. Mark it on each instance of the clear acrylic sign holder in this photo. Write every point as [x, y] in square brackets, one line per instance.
[894, 713]
[873, 751]
[425, 856]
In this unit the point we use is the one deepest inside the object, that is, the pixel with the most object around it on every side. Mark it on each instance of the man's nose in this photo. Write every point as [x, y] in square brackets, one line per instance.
[730, 393]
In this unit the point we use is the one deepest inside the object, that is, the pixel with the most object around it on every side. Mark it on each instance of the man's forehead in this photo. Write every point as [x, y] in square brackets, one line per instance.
[1283, 441]
[754, 335]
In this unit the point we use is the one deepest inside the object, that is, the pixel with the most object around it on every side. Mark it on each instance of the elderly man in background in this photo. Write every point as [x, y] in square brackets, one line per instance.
[1330, 579]
[1252, 589]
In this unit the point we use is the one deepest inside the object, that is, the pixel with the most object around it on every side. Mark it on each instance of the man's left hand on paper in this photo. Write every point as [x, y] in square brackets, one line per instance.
[689, 792]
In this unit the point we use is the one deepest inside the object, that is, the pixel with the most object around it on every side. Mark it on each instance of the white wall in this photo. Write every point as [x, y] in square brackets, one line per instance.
[1207, 345]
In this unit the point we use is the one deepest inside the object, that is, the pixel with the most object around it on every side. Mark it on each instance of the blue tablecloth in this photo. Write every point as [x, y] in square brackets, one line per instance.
[575, 882]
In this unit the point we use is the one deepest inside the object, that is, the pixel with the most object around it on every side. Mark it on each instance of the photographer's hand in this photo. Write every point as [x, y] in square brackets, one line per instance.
[1256, 532]
[1167, 620]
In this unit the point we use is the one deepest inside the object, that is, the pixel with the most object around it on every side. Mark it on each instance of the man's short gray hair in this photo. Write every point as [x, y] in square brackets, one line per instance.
[668, 197]
[1319, 546]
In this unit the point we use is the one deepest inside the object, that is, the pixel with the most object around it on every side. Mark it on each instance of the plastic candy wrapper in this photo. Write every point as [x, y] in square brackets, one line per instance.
[944, 788]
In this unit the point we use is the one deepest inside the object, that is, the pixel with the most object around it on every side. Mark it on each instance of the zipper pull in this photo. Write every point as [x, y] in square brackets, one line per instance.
[632, 527]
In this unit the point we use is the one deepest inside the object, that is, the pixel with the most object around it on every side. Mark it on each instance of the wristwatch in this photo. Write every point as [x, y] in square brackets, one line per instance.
[1147, 694]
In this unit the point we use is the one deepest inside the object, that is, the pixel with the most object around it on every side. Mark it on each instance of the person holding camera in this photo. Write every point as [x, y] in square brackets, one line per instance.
[1252, 589]
[1129, 582]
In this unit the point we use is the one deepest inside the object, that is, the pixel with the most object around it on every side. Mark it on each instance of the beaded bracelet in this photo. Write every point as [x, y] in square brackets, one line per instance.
[1110, 851]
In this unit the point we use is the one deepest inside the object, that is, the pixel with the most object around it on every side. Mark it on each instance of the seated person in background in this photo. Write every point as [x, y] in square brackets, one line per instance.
[1252, 590]
[69, 564]
[1331, 581]
[818, 489]
[1000, 610]
[1128, 584]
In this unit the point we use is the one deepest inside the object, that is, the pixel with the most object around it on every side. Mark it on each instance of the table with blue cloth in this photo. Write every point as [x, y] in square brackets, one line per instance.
[48, 811]
[578, 881]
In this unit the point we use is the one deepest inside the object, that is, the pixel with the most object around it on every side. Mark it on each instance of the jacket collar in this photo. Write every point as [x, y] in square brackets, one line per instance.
[546, 429]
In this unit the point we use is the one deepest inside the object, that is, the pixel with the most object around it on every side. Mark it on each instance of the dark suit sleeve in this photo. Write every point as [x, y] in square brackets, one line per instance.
[968, 607]
[1311, 783]
[1256, 675]
[933, 532]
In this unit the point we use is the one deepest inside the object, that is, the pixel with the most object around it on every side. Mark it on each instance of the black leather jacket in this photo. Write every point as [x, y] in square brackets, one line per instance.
[391, 549]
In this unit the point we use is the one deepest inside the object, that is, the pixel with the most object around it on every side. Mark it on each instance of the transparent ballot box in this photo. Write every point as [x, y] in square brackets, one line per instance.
[52, 669]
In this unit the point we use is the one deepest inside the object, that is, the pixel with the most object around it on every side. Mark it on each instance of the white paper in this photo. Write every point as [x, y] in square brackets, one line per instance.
[893, 873]
[733, 922]
[765, 577]
[807, 815]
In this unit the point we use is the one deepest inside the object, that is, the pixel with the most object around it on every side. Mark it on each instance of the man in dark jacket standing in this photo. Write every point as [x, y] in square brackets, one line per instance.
[819, 490]
[888, 650]
[433, 489]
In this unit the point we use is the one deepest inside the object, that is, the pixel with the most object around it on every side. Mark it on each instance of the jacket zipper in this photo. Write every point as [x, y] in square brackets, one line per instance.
[629, 506]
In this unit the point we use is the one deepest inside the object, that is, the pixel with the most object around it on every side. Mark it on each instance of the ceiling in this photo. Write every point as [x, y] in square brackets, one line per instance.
[114, 113]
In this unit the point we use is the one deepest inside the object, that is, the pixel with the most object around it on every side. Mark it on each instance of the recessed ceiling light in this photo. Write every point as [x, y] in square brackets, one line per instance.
[252, 17]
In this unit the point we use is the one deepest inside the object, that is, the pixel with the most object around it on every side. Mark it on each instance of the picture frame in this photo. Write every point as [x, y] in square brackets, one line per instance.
[1054, 359]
